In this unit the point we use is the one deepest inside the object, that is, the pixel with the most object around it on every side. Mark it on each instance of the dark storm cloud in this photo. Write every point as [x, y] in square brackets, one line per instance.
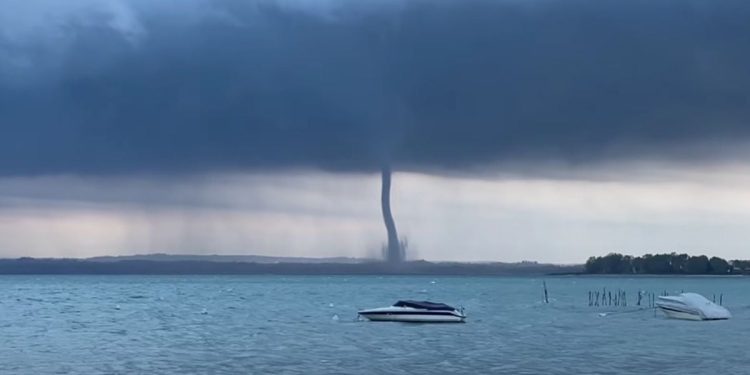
[419, 84]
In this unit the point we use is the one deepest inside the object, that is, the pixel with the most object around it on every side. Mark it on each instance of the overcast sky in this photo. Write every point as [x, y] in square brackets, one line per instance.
[545, 130]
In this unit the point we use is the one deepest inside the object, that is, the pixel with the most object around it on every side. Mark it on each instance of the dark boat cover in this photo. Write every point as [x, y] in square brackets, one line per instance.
[427, 305]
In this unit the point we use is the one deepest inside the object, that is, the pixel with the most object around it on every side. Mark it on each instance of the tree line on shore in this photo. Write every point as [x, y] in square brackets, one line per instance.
[673, 263]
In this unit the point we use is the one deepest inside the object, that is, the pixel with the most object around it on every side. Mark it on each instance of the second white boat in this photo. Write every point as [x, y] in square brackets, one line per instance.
[691, 306]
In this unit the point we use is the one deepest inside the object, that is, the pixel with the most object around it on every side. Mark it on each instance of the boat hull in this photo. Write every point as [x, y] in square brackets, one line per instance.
[413, 318]
[413, 315]
[684, 315]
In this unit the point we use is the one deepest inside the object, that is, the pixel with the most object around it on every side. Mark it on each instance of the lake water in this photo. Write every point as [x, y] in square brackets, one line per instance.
[306, 325]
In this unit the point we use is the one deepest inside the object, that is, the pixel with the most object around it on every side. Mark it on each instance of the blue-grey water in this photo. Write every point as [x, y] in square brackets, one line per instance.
[306, 325]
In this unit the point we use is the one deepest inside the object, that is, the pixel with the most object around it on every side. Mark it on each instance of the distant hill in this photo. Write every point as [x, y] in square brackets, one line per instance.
[161, 264]
[224, 258]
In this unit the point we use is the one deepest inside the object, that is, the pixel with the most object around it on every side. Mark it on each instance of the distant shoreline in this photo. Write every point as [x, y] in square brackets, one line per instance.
[164, 264]
[647, 275]
[141, 266]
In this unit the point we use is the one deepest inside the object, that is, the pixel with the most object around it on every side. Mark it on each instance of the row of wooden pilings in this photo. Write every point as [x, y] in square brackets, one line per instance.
[619, 297]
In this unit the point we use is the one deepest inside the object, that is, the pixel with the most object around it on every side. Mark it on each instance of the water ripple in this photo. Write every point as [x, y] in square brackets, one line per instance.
[284, 325]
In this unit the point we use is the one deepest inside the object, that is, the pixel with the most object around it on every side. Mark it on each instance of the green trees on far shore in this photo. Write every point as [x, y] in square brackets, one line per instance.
[673, 263]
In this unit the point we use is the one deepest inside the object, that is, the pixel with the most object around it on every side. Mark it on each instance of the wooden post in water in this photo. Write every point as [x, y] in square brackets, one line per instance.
[617, 298]
[546, 298]
[614, 301]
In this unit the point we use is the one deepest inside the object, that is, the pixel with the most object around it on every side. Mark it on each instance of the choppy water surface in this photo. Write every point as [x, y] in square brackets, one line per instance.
[305, 325]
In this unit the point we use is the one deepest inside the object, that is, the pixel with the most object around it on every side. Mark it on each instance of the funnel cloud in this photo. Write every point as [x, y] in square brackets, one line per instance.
[394, 252]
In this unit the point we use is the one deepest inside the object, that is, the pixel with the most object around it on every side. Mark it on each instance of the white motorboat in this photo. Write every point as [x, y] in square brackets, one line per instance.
[415, 312]
[691, 306]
